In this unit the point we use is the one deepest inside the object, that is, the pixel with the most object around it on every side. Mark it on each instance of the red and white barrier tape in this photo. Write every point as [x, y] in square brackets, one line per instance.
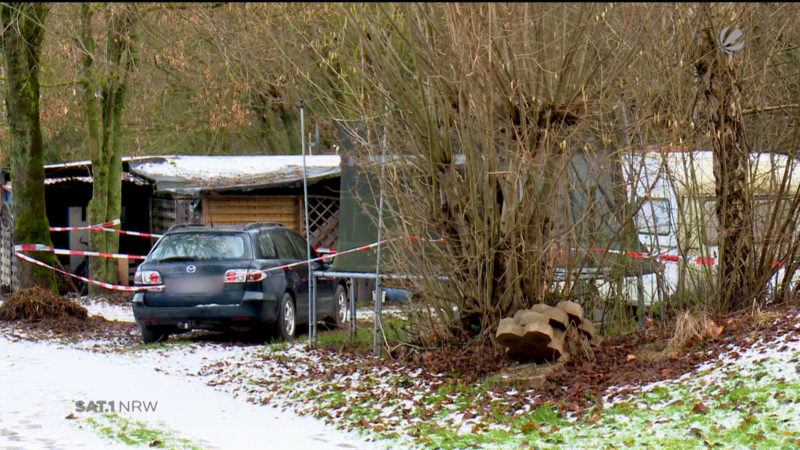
[98, 226]
[113, 287]
[132, 233]
[666, 257]
[106, 227]
[436, 241]
[60, 251]
[698, 260]
[320, 258]
[116, 287]
[344, 252]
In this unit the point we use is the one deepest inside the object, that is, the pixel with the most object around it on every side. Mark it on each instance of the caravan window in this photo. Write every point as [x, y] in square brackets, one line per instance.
[709, 223]
[653, 216]
[762, 215]
[763, 209]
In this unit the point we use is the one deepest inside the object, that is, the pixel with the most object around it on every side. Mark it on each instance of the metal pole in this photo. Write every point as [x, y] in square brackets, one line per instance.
[313, 305]
[376, 341]
[312, 319]
[316, 138]
[352, 292]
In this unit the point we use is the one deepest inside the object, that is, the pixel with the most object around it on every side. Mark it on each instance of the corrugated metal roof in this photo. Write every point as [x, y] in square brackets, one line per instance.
[87, 179]
[87, 163]
[49, 181]
[190, 174]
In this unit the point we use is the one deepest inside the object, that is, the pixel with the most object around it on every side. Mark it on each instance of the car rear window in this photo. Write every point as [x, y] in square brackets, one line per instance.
[199, 246]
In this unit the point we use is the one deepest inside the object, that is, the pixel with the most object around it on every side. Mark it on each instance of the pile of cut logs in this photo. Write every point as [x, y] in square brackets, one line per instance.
[539, 334]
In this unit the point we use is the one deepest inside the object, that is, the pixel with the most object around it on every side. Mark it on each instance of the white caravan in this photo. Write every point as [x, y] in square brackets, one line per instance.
[676, 221]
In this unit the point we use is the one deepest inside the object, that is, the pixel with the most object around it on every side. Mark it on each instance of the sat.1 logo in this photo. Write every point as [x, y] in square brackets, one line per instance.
[727, 41]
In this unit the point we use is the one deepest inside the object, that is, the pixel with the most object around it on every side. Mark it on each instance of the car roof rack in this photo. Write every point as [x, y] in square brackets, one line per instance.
[252, 225]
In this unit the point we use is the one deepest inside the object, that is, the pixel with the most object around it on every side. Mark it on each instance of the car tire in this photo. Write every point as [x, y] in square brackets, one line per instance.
[151, 335]
[339, 317]
[287, 318]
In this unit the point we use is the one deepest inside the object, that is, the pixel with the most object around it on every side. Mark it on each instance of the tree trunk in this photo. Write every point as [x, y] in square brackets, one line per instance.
[98, 205]
[731, 173]
[104, 96]
[23, 32]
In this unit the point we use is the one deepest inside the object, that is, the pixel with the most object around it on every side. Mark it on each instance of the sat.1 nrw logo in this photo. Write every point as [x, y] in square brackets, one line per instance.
[727, 41]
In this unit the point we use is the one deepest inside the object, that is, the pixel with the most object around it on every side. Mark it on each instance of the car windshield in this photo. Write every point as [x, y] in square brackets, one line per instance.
[199, 246]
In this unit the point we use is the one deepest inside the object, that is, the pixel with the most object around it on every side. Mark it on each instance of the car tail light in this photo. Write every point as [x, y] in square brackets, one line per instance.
[243, 276]
[256, 276]
[147, 277]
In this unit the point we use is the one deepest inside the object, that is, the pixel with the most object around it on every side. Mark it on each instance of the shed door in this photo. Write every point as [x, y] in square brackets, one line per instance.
[241, 209]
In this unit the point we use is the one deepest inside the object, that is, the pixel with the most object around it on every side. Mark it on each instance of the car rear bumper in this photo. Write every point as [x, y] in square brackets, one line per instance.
[257, 308]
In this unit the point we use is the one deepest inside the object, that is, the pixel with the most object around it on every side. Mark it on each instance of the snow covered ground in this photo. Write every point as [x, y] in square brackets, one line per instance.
[215, 394]
[111, 311]
[778, 358]
[387, 312]
[41, 383]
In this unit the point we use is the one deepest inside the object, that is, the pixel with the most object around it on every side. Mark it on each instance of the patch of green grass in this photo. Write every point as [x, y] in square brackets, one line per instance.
[135, 432]
[742, 411]
[362, 342]
[276, 345]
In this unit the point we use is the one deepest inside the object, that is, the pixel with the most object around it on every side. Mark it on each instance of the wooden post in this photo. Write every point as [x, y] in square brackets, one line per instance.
[122, 271]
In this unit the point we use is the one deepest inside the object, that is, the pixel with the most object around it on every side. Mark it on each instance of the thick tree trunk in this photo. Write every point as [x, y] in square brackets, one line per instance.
[104, 97]
[731, 173]
[98, 205]
[23, 32]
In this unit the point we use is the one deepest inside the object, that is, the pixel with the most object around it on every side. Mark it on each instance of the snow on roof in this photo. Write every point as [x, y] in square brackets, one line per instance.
[188, 174]
[49, 181]
[87, 179]
[87, 163]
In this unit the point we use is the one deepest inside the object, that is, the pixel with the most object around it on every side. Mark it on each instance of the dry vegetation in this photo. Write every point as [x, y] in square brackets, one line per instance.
[35, 304]
[490, 109]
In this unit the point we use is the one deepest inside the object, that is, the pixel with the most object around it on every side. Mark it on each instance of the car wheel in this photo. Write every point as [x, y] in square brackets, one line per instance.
[339, 317]
[153, 334]
[287, 318]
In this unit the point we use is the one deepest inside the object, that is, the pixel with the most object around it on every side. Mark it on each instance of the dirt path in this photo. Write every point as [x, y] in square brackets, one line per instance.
[41, 383]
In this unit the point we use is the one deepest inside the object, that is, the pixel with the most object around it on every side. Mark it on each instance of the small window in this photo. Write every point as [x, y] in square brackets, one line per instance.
[266, 246]
[763, 210]
[709, 223]
[653, 217]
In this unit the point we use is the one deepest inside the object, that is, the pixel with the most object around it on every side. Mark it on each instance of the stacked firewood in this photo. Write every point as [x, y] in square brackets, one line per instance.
[547, 333]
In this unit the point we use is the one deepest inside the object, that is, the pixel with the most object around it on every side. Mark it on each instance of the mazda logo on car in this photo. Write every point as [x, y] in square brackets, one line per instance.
[191, 268]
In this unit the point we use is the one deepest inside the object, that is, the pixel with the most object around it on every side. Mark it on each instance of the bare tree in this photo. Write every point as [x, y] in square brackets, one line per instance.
[693, 94]
[483, 108]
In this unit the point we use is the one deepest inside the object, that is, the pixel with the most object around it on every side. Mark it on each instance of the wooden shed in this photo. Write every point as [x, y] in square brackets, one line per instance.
[217, 190]
[161, 191]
